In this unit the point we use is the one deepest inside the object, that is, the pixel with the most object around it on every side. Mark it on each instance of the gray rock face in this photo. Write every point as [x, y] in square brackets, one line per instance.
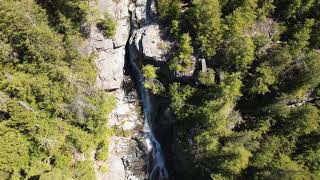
[127, 155]
[146, 39]
[126, 159]
[118, 10]
[122, 34]
[110, 52]
[153, 47]
[139, 14]
[110, 65]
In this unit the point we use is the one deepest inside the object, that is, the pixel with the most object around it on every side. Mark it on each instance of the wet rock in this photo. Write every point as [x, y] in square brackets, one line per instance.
[141, 142]
[135, 43]
[138, 11]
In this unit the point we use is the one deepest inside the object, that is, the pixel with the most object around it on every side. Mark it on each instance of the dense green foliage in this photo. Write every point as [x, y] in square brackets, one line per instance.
[254, 114]
[107, 26]
[182, 61]
[52, 117]
[150, 77]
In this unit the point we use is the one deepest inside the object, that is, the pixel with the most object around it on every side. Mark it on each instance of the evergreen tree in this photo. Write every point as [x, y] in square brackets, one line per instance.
[207, 25]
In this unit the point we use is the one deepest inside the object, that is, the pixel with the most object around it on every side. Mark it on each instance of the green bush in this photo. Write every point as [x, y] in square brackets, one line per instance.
[108, 26]
[150, 75]
[104, 169]
[207, 77]
[118, 131]
[102, 151]
[149, 71]
[260, 40]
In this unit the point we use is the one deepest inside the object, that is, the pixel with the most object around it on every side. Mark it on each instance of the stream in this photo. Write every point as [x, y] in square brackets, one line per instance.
[156, 165]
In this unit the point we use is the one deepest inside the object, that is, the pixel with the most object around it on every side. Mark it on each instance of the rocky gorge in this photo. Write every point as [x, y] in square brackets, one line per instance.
[159, 89]
[137, 37]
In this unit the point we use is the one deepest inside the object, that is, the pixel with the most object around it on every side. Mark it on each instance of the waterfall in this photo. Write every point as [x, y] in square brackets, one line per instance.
[156, 169]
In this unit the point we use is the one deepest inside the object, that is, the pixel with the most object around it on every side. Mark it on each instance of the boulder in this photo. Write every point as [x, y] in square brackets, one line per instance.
[148, 43]
[135, 48]
[126, 113]
[116, 168]
[122, 33]
[153, 46]
[110, 66]
[134, 162]
[138, 11]
[203, 65]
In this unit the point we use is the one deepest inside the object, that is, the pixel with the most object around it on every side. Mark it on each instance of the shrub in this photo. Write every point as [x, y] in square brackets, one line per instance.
[104, 169]
[102, 153]
[150, 75]
[108, 26]
[149, 71]
[207, 77]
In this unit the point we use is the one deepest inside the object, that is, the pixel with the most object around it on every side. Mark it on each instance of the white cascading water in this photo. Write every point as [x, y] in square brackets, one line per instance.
[159, 171]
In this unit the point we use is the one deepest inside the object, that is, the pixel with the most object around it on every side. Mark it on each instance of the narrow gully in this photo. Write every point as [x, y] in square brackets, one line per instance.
[156, 168]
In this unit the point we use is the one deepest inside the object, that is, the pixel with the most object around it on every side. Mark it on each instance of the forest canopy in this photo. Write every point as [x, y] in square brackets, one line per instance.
[51, 113]
[251, 112]
[254, 112]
